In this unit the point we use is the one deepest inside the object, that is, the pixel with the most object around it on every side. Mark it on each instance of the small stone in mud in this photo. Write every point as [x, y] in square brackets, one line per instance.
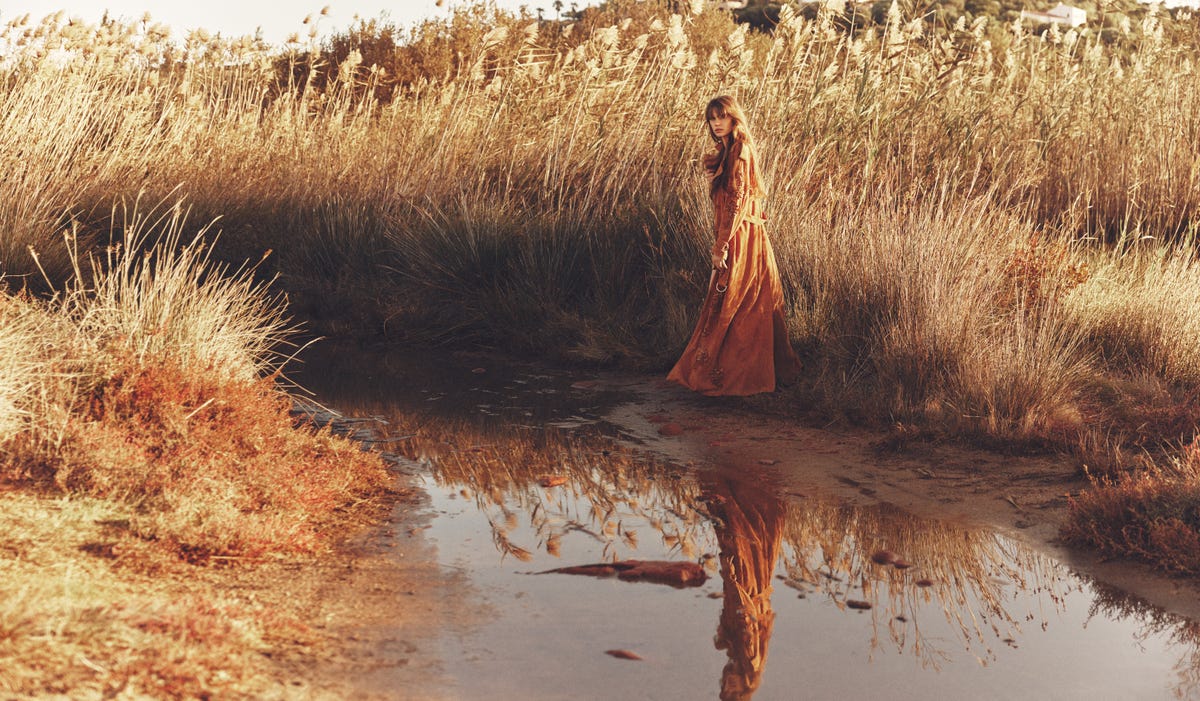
[858, 605]
[552, 481]
[924, 582]
[623, 654]
[671, 429]
[883, 557]
[901, 564]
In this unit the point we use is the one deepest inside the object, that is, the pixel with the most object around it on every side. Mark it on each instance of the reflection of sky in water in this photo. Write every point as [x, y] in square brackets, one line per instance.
[997, 622]
[550, 633]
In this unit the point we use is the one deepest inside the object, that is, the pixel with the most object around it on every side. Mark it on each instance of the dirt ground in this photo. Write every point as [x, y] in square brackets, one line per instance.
[384, 601]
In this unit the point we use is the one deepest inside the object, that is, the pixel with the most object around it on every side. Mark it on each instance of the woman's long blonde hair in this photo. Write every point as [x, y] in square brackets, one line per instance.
[723, 160]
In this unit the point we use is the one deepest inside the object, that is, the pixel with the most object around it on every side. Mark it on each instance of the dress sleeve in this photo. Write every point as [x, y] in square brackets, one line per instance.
[735, 204]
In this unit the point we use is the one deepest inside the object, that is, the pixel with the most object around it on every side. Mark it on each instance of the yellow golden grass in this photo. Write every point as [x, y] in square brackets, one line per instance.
[135, 369]
[72, 625]
[147, 299]
[544, 192]
[118, 386]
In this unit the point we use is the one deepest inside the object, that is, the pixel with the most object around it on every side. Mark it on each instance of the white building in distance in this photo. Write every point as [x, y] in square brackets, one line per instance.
[1059, 14]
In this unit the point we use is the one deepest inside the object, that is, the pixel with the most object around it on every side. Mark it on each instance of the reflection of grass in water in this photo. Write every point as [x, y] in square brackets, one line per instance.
[966, 572]
[827, 545]
[1154, 621]
[608, 488]
[974, 576]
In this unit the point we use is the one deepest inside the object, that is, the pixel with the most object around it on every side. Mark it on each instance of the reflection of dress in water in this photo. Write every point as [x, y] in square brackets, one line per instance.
[740, 345]
[749, 530]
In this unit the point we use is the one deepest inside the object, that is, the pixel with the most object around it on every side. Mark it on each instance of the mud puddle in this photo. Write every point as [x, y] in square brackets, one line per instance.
[806, 594]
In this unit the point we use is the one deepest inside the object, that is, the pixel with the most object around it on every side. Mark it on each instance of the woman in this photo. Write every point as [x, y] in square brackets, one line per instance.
[740, 345]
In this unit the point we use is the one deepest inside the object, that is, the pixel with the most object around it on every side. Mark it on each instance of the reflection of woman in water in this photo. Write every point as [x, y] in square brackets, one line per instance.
[749, 528]
[740, 344]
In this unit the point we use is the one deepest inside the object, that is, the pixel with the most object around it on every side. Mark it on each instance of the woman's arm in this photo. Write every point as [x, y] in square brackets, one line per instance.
[735, 208]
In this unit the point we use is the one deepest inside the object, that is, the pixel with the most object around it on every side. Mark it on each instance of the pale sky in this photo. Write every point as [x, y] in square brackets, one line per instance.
[278, 18]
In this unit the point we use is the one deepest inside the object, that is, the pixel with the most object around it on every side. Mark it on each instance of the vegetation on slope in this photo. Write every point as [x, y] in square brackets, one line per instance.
[141, 428]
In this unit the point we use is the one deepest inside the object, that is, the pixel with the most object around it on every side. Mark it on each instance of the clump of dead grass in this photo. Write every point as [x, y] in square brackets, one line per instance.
[212, 467]
[1152, 515]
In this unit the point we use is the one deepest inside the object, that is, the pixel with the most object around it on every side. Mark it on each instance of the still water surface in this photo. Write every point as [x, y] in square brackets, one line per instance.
[522, 479]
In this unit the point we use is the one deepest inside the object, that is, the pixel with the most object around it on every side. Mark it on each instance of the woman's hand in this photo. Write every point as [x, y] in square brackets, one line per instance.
[718, 261]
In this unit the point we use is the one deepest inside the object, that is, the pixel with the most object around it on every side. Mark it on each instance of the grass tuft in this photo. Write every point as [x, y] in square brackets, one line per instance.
[1151, 515]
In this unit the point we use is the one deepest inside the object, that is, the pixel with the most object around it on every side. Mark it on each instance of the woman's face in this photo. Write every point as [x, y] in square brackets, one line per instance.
[721, 126]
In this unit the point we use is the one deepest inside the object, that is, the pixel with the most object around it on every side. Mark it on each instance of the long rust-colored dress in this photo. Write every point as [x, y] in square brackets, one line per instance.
[740, 344]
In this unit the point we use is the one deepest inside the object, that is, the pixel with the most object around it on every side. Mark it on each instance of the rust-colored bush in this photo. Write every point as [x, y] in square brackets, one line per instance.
[1153, 516]
[1040, 272]
[213, 467]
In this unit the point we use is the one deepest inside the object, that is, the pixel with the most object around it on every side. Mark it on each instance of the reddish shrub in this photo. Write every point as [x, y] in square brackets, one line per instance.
[213, 468]
[1151, 516]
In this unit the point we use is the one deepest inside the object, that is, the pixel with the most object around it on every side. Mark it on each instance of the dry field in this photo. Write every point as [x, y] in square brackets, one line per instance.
[986, 234]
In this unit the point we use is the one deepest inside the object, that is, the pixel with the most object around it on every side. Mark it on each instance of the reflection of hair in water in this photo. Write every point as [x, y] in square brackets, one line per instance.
[749, 530]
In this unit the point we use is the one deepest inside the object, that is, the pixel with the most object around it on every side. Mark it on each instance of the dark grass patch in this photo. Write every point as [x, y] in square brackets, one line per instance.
[1152, 516]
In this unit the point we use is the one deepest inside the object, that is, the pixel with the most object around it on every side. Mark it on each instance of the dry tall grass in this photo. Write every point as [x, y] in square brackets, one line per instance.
[988, 238]
[145, 380]
[545, 193]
